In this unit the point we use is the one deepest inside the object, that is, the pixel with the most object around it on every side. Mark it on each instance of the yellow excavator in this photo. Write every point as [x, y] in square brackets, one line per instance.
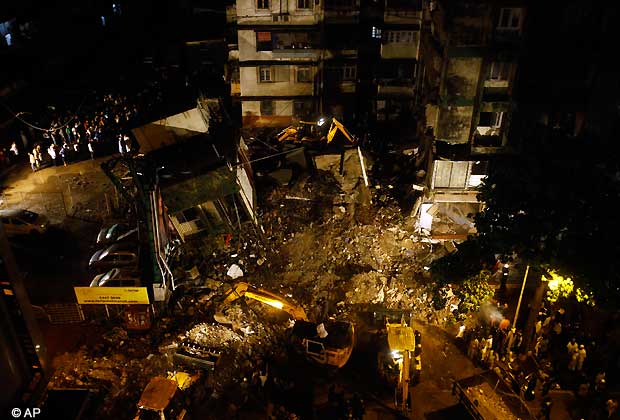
[328, 343]
[400, 363]
[315, 132]
[161, 398]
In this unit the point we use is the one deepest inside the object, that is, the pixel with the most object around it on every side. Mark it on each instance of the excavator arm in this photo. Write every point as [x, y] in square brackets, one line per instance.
[243, 289]
[338, 126]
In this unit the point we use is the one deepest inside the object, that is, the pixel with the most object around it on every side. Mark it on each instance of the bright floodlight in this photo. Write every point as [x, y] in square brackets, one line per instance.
[321, 121]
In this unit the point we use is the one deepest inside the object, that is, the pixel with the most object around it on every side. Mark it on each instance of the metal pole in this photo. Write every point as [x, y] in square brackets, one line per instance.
[514, 323]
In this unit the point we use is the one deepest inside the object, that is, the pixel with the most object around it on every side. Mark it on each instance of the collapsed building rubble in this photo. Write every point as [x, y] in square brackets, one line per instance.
[329, 242]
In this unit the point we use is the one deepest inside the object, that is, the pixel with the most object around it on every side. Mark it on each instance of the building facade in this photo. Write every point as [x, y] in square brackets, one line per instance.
[471, 56]
[472, 52]
[299, 59]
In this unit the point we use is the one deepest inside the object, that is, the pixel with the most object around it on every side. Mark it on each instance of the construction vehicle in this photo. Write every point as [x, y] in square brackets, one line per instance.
[162, 398]
[315, 132]
[491, 395]
[400, 361]
[329, 343]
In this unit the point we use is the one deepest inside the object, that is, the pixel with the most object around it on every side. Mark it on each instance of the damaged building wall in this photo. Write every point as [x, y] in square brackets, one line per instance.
[453, 123]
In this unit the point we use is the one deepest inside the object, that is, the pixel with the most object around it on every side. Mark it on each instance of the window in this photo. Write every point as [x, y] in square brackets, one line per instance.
[340, 4]
[234, 75]
[499, 70]
[265, 74]
[491, 119]
[303, 4]
[375, 33]
[264, 41]
[191, 215]
[509, 19]
[267, 107]
[349, 72]
[400, 37]
[262, 4]
[294, 40]
[303, 108]
[304, 74]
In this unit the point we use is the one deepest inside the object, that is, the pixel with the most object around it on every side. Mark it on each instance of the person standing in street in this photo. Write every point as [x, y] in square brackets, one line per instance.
[581, 357]
[14, 150]
[63, 154]
[572, 347]
[91, 150]
[33, 162]
[52, 152]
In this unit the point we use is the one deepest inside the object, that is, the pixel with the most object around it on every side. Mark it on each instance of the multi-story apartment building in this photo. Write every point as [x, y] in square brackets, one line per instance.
[352, 59]
[279, 55]
[397, 68]
[471, 56]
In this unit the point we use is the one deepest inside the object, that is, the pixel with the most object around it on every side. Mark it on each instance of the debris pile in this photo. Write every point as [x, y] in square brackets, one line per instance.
[211, 336]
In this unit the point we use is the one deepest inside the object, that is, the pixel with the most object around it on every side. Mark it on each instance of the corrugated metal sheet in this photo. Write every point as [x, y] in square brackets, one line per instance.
[451, 174]
[194, 191]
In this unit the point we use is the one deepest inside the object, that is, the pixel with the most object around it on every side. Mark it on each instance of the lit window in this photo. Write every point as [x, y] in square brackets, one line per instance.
[262, 4]
[265, 74]
[509, 19]
[491, 119]
[375, 32]
[304, 74]
[303, 4]
[400, 36]
[264, 41]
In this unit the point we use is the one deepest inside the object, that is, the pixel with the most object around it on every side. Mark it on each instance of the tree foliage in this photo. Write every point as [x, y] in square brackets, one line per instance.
[474, 291]
[556, 207]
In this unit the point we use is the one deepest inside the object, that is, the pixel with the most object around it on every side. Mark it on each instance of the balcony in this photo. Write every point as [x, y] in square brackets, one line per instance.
[395, 87]
[342, 13]
[294, 53]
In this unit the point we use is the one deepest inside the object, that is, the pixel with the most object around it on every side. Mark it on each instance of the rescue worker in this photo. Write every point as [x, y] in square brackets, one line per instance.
[581, 357]
[572, 347]
[572, 362]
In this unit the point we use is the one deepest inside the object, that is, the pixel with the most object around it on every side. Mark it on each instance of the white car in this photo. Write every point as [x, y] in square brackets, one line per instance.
[117, 232]
[116, 277]
[119, 254]
[23, 222]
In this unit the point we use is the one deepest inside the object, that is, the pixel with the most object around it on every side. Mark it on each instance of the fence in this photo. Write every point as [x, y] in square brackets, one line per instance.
[73, 313]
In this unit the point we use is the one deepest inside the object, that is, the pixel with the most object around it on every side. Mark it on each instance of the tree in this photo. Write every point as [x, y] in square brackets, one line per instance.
[474, 291]
[555, 207]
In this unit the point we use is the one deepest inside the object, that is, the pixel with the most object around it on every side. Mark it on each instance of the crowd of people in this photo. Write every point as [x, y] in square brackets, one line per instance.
[98, 127]
[86, 135]
[560, 351]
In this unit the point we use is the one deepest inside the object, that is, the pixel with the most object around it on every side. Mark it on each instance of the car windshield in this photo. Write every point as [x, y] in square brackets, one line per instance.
[29, 216]
[114, 230]
[107, 276]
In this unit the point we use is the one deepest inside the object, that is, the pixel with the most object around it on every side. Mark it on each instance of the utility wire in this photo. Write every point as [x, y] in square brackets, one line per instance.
[267, 157]
[16, 116]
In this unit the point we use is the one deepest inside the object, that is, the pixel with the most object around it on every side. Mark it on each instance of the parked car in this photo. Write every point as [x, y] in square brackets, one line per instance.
[116, 232]
[119, 254]
[116, 277]
[23, 222]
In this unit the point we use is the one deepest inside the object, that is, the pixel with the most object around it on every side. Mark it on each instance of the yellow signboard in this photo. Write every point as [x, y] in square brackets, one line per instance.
[111, 295]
